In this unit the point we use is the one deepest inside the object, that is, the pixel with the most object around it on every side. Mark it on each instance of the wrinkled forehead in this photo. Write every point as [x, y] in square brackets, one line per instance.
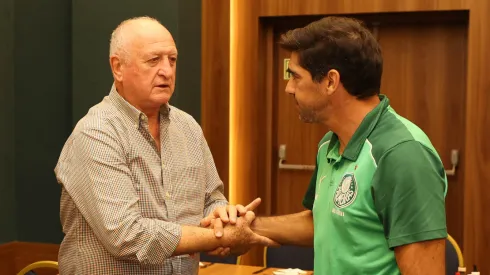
[153, 38]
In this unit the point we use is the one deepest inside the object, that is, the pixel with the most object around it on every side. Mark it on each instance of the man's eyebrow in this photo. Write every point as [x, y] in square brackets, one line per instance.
[158, 52]
[291, 71]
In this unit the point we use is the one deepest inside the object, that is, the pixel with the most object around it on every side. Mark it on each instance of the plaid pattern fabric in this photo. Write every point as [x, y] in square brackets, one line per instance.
[122, 201]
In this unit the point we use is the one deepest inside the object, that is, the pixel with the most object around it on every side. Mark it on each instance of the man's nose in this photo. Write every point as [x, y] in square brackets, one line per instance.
[289, 88]
[166, 68]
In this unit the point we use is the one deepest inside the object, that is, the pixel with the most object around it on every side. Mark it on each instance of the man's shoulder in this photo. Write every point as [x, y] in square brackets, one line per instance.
[394, 131]
[180, 114]
[184, 119]
[397, 141]
[100, 117]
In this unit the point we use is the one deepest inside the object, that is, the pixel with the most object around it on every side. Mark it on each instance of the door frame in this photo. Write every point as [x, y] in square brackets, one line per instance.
[244, 165]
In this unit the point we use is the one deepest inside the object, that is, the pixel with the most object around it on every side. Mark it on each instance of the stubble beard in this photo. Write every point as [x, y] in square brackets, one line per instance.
[308, 116]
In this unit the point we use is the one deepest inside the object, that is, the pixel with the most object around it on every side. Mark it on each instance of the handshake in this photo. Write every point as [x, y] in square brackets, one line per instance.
[233, 225]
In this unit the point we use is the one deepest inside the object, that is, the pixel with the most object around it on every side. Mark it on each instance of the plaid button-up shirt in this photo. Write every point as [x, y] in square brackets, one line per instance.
[123, 202]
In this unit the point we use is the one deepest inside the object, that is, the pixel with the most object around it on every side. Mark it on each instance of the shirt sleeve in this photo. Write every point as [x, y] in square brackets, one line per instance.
[309, 197]
[408, 191]
[96, 175]
[214, 186]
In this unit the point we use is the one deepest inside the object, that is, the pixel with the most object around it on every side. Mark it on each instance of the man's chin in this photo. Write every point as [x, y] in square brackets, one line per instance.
[307, 118]
[163, 96]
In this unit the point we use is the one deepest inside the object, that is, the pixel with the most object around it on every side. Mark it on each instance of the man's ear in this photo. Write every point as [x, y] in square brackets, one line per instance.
[332, 81]
[116, 67]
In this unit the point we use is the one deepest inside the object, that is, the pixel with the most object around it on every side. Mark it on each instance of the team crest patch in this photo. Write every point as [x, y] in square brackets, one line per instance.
[346, 192]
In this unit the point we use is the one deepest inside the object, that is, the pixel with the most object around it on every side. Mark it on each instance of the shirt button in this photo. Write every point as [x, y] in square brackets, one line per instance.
[168, 195]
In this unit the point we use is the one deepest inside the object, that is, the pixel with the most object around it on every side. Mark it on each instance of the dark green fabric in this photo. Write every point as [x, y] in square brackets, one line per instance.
[408, 190]
[309, 197]
[386, 190]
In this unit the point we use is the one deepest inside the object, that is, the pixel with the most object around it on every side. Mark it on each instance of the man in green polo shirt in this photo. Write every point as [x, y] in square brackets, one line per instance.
[375, 204]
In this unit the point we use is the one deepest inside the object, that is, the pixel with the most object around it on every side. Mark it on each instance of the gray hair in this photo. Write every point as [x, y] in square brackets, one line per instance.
[119, 37]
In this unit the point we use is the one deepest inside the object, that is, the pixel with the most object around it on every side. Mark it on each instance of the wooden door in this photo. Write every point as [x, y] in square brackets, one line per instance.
[424, 77]
[300, 140]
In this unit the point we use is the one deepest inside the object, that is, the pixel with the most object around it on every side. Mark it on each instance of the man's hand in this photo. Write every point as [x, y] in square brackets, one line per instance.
[227, 214]
[239, 238]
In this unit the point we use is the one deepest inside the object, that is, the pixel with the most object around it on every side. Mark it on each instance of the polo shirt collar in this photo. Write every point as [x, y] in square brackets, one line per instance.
[134, 115]
[357, 141]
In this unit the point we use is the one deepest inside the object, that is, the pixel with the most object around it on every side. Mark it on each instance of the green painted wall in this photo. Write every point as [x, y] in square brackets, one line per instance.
[53, 68]
[7, 187]
[42, 113]
[93, 22]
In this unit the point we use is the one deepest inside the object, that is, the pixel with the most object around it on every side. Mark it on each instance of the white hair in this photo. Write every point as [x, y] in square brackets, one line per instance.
[119, 37]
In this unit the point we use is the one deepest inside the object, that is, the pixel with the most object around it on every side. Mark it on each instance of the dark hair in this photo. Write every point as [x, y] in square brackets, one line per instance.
[340, 43]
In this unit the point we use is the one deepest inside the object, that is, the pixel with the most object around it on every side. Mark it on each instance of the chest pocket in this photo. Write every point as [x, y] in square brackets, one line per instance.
[189, 183]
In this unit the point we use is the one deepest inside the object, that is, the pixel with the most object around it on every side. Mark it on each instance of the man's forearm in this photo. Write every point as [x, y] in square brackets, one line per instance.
[294, 229]
[196, 239]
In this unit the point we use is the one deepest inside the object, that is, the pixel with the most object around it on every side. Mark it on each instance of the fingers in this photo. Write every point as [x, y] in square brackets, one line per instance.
[225, 252]
[218, 228]
[232, 213]
[220, 251]
[249, 217]
[261, 240]
[254, 204]
[242, 210]
[205, 222]
[221, 212]
[216, 252]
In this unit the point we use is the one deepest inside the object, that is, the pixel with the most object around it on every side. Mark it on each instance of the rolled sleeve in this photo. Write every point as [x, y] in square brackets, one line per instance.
[208, 210]
[95, 174]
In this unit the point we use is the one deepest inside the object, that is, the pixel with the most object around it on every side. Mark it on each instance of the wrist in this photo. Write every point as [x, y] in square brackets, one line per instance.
[255, 225]
[226, 240]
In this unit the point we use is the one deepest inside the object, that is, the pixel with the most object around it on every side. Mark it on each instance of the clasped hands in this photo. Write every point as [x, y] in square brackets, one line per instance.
[232, 224]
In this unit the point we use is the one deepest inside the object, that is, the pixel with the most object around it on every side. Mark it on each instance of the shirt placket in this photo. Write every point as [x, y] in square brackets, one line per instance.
[174, 263]
[167, 183]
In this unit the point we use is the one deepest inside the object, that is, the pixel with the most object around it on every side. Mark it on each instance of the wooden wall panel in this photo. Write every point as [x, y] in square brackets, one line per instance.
[266, 129]
[477, 165]
[247, 109]
[16, 255]
[312, 7]
[215, 59]
[7, 265]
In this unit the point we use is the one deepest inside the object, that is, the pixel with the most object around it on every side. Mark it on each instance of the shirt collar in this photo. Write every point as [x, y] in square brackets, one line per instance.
[136, 116]
[357, 141]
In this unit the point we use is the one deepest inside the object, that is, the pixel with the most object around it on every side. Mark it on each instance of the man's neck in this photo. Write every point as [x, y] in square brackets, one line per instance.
[153, 117]
[153, 113]
[348, 117]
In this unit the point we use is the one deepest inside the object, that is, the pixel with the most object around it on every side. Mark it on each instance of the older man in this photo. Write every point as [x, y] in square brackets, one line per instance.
[137, 175]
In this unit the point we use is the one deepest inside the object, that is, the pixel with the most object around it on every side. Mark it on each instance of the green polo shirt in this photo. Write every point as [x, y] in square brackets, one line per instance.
[387, 189]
